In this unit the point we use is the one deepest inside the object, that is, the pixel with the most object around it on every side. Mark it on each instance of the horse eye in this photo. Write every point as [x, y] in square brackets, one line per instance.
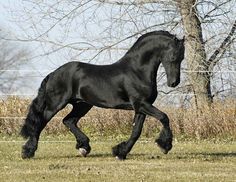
[173, 59]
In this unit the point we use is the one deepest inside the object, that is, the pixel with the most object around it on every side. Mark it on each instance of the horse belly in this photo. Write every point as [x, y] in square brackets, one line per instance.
[105, 96]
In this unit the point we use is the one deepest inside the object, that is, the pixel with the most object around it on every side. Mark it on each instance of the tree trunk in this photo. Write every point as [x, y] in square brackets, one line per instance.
[195, 54]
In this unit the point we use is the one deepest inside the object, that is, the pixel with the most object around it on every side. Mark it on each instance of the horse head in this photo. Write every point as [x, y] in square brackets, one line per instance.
[171, 61]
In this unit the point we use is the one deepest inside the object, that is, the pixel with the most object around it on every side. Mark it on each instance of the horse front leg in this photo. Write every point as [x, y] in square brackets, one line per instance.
[121, 150]
[164, 141]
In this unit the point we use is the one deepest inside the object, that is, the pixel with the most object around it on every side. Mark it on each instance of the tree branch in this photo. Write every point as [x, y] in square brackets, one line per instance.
[221, 50]
[134, 2]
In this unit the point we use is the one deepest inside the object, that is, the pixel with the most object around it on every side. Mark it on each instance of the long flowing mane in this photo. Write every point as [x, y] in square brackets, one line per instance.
[160, 32]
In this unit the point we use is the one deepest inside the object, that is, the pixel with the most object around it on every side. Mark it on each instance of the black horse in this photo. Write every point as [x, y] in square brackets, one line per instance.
[129, 84]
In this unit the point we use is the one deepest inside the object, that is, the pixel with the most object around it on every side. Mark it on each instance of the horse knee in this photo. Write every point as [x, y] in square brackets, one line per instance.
[163, 117]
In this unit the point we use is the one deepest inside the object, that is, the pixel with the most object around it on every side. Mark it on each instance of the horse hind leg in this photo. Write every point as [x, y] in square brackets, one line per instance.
[78, 111]
[34, 129]
[29, 148]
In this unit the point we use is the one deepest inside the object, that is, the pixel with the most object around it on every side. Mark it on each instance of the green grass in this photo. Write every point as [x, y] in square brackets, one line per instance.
[59, 161]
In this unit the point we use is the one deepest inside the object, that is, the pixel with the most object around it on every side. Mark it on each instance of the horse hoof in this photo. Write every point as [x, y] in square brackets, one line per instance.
[83, 152]
[27, 153]
[27, 156]
[164, 151]
[119, 158]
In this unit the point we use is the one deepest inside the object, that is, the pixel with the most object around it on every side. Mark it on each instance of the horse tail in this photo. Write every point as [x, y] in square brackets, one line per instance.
[35, 115]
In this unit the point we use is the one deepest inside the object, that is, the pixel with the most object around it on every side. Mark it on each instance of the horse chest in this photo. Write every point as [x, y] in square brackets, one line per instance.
[141, 91]
[150, 94]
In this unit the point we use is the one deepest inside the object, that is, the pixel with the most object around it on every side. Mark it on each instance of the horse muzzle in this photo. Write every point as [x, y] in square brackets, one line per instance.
[173, 83]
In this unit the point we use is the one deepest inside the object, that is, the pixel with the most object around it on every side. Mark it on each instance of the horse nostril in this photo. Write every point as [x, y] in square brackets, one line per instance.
[175, 83]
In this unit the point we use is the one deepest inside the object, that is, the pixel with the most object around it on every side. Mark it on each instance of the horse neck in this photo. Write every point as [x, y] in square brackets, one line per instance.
[145, 62]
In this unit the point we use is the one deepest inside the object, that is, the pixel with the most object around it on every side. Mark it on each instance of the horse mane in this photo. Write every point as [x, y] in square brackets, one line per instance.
[160, 32]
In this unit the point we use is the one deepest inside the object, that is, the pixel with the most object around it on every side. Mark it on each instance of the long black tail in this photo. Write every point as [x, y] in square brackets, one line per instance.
[35, 114]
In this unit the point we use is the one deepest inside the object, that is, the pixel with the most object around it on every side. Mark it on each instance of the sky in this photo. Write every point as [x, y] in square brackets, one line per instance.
[94, 24]
[39, 66]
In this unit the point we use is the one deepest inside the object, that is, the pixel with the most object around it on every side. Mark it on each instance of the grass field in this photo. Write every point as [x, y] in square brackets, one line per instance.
[57, 160]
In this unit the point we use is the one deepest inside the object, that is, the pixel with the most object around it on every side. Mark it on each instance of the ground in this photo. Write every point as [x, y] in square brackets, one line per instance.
[58, 160]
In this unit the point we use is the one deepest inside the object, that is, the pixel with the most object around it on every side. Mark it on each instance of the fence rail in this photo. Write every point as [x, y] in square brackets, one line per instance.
[23, 117]
[160, 93]
[184, 71]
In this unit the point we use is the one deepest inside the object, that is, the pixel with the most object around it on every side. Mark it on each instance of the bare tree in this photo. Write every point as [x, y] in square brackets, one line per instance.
[200, 78]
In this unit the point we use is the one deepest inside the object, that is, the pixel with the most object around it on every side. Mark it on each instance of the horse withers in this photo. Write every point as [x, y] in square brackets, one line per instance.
[129, 83]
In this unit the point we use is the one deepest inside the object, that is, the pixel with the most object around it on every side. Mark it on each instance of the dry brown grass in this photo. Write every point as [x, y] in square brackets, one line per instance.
[219, 121]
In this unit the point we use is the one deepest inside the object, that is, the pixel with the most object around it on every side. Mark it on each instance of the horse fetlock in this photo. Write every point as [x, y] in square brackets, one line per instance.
[119, 151]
